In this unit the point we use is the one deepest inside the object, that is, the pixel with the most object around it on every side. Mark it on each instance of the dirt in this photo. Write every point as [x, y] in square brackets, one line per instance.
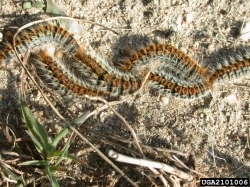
[211, 130]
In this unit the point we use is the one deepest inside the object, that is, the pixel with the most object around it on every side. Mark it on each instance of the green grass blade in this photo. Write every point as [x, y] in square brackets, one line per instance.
[39, 147]
[50, 176]
[80, 119]
[35, 128]
[69, 156]
[54, 182]
[77, 121]
[64, 152]
[58, 137]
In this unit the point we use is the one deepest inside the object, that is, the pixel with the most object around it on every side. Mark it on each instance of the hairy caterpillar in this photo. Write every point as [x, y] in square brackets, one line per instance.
[37, 35]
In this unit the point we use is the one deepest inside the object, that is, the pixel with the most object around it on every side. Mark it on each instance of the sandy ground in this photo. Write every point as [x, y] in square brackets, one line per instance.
[211, 130]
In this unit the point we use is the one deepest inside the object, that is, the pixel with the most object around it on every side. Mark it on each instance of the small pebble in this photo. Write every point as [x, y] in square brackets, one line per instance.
[189, 18]
[230, 98]
[247, 153]
[165, 100]
[1, 36]
[245, 31]
[27, 5]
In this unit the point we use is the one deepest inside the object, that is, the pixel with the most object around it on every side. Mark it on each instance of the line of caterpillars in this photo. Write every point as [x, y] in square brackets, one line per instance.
[93, 77]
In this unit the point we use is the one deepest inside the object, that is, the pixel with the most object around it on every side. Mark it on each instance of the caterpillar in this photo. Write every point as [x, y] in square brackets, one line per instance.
[178, 58]
[36, 35]
[77, 73]
[232, 67]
